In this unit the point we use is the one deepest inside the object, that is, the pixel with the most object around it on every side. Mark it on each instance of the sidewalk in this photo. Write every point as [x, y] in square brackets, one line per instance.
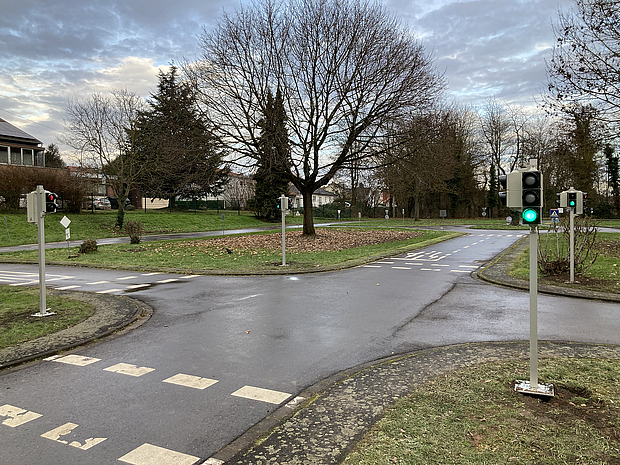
[325, 421]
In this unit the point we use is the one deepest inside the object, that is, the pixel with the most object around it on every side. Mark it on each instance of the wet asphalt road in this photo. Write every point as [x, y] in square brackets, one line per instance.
[278, 334]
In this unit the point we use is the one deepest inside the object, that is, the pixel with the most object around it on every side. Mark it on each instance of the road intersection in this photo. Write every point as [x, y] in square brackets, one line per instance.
[222, 353]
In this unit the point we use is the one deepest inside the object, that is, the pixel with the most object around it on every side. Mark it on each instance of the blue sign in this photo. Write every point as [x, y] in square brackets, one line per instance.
[554, 213]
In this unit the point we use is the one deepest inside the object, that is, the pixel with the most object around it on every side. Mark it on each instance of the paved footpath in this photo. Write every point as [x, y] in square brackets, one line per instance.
[326, 421]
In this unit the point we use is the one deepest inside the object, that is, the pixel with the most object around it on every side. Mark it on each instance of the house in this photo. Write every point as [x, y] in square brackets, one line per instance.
[320, 197]
[19, 148]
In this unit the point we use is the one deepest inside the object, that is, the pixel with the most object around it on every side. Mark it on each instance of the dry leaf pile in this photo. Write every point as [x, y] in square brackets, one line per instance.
[325, 240]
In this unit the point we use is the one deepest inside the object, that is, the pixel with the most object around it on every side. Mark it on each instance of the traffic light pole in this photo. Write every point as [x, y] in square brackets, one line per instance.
[533, 309]
[283, 211]
[40, 212]
[572, 244]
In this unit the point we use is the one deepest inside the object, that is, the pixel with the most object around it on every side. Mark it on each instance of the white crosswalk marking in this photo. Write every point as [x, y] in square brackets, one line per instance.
[148, 454]
[16, 416]
[263, 395]
[129, 370]
[191, 381]
[77, 360]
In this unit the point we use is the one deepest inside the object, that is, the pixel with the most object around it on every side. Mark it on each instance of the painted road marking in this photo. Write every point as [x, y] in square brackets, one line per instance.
[97, 282]
[77, 360]
[385, 263]
[430, 269]
[150, 274]
[126, 277]
[129, 370]
[263, 395]
[191, 381]
[17, 416]
[460, 271]
[190, 276]
[372, 266]
[137, 286]
[148, 454]
[401, 267]
[66, 288]
[167, 281]
[469, 266]
[252, 296]
[213, 461]
[65, 429]
[109, 291]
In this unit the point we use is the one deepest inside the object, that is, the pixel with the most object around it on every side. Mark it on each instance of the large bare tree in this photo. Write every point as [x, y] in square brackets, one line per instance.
[345, 69]
[101, 129]
[585, 62]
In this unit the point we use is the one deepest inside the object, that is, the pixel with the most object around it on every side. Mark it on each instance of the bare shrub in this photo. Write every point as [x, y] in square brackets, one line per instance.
[88, 246]
[134, 230]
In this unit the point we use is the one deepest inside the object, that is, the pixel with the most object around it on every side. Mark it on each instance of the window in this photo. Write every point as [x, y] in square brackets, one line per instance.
[39, 158]
[4, 154]
[16, 156]
[27, 157]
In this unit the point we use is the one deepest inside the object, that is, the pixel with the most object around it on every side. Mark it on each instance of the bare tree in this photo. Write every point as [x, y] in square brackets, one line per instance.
[101, 129]
[345, 68]
[585, 62]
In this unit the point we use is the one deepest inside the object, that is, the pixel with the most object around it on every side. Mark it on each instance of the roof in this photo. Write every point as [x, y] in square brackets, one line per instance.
[320, 191]
[8, 131]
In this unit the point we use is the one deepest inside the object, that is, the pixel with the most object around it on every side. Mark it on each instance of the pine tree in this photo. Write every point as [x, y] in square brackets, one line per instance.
[271, 176]
[174, 142]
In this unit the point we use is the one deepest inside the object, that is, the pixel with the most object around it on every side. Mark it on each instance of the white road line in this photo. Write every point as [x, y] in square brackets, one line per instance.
[97, 282]
[401, 267]
[372, 266]
[73, 359]
[24, 284]
[249, 297]
[416, 264]
[260, 394]
[66, 288]
[129, 370]
[67, 428]
[150, 274]
[429, 269]
[16, 416]
[137, 286]
[460, 271]
[385, 263]
[126, 277]
[108, 291]
[466, 247]
[164, 281]
[469, 266]
[191, 381]
[457, 251]
[190, 276]
[148, 454]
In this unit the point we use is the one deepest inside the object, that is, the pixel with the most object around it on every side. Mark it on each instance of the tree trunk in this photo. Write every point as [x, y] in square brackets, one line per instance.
[308, 229]
[416, 209]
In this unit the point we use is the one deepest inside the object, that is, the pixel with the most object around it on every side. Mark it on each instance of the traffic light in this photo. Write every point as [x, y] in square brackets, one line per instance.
[503, 194]
[50, 202]
[572, 199]
[531, 197]
[279, 203]
[558, 199]
[284, 203]
[585, 200]
[579, 207]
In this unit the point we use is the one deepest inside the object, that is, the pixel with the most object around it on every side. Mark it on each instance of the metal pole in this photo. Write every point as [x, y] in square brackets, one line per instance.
[283, 231]
[533, 309]
[572, 245]
[41, 226]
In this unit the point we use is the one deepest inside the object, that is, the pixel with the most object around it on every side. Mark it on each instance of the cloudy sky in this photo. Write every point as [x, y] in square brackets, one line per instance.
[51, 50]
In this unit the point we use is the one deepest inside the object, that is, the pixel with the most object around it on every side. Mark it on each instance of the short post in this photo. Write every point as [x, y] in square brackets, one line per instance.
[283, 207]
[223, 222]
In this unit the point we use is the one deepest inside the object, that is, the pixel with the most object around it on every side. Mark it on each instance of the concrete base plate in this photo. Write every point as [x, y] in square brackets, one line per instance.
[542, 389]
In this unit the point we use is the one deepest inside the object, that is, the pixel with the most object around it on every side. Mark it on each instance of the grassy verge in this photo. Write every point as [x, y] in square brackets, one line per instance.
[604, 275]
[18, 304]
[235, 254]
[475, 417]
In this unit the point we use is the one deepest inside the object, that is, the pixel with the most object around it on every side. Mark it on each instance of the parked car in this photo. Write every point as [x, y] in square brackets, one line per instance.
[98, 204]
[114, 202]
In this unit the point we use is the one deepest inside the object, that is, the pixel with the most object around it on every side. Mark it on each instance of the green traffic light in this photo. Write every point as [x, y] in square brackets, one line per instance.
[530, 216]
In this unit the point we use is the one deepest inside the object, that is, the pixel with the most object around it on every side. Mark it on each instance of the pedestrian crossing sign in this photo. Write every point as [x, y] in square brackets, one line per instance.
[554, 213]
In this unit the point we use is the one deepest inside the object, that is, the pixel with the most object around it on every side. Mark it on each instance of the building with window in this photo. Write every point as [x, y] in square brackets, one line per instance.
[19, 148]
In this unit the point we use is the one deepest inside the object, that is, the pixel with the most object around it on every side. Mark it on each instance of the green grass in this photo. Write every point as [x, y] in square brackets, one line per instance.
[18, 304]
[475, 417]
[209, 254]
[100, 224]
[604, 275]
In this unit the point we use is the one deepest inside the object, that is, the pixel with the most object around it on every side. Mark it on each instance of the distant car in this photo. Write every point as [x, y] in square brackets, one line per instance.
[114, 202]
[98, 204]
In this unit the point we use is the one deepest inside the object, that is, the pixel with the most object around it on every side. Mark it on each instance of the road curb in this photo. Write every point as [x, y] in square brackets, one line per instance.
[496, 272]
[340, 410]
[112, 314]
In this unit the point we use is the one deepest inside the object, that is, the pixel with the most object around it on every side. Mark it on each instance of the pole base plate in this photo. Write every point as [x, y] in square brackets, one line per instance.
[45, 313]
[524, 387]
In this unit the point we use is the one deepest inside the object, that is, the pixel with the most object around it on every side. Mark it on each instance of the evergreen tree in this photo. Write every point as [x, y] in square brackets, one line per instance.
[53, 158]
[613, 177]
[173, 141]
[271, 176]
